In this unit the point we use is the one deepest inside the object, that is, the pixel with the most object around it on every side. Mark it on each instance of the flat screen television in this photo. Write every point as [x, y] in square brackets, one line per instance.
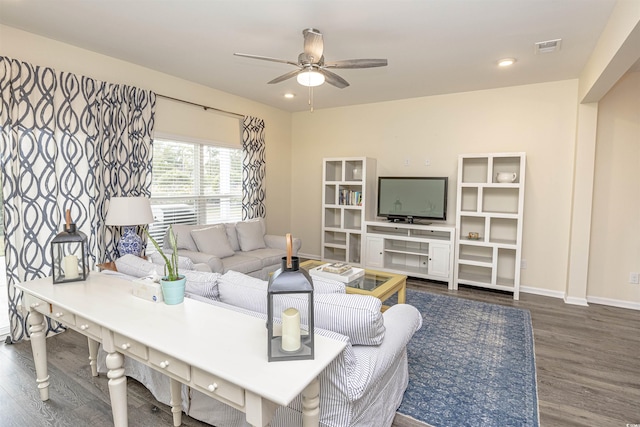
[405, 199]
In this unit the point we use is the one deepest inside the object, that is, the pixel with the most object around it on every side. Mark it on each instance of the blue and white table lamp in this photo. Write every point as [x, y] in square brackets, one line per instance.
[129, 212]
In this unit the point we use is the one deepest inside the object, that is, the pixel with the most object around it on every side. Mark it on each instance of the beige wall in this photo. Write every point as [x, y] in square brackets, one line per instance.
[171, 115]
[537, 119]
[615, 227]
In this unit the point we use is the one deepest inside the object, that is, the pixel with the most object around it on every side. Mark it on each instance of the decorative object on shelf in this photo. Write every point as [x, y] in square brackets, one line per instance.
[172, 283]
[506, 177]
[290, 299]
[474, 236]
[69, 254]
[129, 212]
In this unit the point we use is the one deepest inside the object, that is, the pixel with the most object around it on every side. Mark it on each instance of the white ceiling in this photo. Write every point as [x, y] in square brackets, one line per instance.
[433, 46]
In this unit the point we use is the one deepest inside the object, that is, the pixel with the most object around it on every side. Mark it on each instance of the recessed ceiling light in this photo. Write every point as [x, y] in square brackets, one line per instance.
[506, 62]
[289, 95]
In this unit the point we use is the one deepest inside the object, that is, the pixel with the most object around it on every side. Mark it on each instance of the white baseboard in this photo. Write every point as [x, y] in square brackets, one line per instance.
[309, 256]
[576, 301]
[543, 292]
[614, 302]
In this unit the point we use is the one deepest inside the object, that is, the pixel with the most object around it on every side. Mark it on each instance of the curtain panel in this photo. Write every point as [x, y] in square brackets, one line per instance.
[253, 168]
[67, 142]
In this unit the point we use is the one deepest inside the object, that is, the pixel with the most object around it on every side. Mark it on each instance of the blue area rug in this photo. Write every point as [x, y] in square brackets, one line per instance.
[471, 364]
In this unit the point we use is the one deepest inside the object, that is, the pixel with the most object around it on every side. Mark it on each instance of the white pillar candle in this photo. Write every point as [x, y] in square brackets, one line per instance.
[71, 267]
[290, 330]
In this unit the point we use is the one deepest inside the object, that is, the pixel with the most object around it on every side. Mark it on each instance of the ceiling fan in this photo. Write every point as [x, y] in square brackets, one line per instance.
[312, 70]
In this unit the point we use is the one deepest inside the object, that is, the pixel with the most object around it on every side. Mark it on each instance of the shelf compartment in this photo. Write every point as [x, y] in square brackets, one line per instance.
[474, 275]
[335, 237]
[332, 218]
[408, 247]
[481, 256]
[355, 243]
[407, 269]
[350, 195]
[406, 262]
[469, 199]
[333, 170]
[353, 170]
[500, 200]
[475, 169]
[335, 254]
[503, 231]
[330, 194]
[472, 224]
[507, 164]
[353, 218]
[506, 270]
[429, 234]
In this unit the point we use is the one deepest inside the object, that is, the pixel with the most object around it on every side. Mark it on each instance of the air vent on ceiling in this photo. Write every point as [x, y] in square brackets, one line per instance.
[548, 46]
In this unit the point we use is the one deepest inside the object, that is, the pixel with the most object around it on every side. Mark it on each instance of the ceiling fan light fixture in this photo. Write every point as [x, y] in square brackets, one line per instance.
[310, 78]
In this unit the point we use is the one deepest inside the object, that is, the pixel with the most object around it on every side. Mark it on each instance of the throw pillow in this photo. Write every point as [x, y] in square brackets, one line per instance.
[183, 236]
[213, 240]
[232, 235]
[135, 266]
[250, 235]
[202, 284]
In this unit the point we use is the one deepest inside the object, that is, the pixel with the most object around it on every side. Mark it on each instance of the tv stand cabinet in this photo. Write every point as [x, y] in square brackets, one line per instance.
[418, 250]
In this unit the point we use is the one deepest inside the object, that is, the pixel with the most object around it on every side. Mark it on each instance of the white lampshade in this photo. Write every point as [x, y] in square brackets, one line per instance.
[310, 78]
[129, 211]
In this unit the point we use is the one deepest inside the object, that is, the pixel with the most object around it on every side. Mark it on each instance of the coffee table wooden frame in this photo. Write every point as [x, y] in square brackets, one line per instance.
[395, 283]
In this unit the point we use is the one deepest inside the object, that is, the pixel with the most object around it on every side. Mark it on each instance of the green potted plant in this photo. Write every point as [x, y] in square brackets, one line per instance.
[172, 283]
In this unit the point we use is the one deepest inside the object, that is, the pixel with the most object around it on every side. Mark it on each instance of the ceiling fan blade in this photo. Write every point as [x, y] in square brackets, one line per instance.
[333, 78]
[357, 63]
[284, 77]
[266, 58]
[313, 44]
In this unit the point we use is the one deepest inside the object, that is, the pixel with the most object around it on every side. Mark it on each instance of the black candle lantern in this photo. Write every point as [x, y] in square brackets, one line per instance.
[290, 311]
[69, 254]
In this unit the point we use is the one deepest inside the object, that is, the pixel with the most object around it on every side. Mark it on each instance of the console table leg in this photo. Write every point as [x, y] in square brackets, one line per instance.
[117, 389]
[39, 349]
[311, 404]
[93, 355]
[176, 402]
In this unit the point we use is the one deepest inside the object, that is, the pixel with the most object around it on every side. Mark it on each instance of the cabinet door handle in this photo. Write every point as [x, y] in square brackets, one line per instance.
[126, 346]
[84, 327]
[212, 387]
[59, 314]
[164, 364]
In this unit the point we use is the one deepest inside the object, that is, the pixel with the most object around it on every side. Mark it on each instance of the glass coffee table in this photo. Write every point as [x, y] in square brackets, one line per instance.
[376, 283]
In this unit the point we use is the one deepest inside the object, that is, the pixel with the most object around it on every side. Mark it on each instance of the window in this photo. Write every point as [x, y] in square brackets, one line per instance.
[194, 183]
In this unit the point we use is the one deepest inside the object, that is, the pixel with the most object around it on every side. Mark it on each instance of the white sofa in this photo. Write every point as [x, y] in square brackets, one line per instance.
[242, 246]
[363, 387]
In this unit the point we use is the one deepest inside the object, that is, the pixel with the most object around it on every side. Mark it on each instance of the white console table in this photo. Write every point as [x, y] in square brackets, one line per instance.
[418, 250]
[219, 352]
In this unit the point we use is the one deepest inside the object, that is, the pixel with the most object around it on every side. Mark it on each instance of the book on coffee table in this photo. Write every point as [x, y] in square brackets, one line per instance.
[336, 267]
[348, 276]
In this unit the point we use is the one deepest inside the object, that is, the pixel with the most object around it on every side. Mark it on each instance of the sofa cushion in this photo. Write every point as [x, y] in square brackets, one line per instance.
[356, 316]
[250, 235]
[183, 235]
[213, 240]
[184, 263]
[241, 263]
[267, 256]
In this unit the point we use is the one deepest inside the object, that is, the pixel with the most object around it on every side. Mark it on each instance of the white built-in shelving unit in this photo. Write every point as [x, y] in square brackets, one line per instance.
[494, 210]
[348, 187]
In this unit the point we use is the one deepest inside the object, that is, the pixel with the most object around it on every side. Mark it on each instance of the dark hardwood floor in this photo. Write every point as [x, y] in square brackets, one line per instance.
[587, 358]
